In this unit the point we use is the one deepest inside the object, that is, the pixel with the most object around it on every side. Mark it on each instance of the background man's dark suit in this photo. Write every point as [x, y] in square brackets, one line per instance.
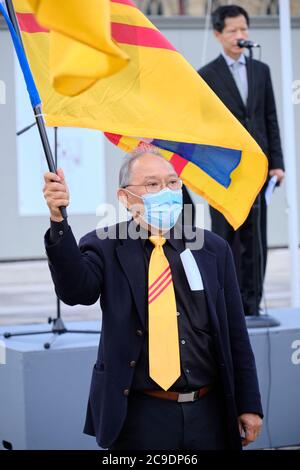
[114, 269]
[265, 131]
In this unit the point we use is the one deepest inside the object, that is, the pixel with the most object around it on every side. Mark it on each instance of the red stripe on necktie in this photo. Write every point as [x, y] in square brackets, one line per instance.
[160, 284]
[159, 277]
[160, 292]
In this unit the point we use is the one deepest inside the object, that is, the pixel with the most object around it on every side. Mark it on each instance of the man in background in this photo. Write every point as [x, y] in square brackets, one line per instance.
[228, 77]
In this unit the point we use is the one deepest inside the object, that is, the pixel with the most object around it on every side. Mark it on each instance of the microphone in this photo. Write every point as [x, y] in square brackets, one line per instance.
[249, 44]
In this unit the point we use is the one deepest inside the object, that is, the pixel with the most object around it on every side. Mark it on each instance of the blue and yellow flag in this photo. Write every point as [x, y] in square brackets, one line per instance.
[148, 93]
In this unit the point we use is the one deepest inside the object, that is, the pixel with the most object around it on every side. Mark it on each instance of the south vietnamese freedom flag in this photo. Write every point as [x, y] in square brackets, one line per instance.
[128, 81]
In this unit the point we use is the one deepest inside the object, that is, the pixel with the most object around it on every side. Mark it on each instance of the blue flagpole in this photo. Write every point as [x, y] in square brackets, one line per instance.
[13, 26]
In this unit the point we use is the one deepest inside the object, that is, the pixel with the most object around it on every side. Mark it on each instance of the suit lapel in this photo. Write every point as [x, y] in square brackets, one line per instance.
[131, 258]
[227, 78]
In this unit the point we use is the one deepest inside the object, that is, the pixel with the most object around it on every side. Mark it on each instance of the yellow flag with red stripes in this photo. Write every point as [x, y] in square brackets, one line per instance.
[152, 97]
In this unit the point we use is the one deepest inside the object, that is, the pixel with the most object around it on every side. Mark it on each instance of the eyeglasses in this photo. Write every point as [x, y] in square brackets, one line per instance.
[156, 186]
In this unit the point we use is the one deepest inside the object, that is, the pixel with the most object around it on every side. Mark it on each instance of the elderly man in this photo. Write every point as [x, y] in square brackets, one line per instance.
[175, 369]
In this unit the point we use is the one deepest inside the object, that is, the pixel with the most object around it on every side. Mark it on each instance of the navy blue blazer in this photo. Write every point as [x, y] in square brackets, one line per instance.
[265, 129]
[113, 269]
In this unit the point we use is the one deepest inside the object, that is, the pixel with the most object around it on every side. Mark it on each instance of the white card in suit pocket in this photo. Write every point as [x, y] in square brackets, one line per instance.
[191, 270]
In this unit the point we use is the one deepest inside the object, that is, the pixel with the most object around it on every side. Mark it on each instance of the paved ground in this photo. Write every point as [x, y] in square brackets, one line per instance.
[27, 295]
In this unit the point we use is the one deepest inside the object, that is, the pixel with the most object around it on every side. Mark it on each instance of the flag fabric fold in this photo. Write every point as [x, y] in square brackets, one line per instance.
[81, 47]
[157, 99]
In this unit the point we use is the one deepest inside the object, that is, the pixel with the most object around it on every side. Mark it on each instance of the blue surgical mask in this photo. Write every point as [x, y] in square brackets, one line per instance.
[162, 209]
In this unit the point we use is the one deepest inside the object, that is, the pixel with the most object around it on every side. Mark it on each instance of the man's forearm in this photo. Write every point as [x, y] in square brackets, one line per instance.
[76, 273]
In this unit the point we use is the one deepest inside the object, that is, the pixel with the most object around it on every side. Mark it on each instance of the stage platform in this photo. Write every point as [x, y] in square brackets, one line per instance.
[43, 393]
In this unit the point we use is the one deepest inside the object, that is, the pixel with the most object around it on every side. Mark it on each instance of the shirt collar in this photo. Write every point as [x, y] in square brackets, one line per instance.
[230, 60]
[174, 237]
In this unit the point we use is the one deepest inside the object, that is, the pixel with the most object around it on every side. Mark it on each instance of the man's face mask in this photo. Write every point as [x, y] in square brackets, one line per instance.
[162, 209]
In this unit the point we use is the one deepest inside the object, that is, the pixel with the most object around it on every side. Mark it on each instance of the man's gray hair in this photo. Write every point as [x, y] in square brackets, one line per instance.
[125, 170]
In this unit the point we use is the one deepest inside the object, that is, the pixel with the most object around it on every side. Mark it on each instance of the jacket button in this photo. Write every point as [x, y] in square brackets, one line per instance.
[126, 392]
[132, 363]
[139, 332]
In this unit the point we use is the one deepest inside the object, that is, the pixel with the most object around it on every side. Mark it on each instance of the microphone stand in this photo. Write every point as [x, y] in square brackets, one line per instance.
[58, 326]
[255, 319]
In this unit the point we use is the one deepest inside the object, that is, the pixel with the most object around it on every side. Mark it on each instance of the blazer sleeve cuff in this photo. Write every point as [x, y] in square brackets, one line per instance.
[64, 250]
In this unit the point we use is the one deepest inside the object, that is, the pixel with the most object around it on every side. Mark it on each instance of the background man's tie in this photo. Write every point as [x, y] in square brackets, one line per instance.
[164, 359]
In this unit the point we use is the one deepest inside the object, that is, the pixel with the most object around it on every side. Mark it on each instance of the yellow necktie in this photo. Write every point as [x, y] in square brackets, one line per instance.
[164, 358]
